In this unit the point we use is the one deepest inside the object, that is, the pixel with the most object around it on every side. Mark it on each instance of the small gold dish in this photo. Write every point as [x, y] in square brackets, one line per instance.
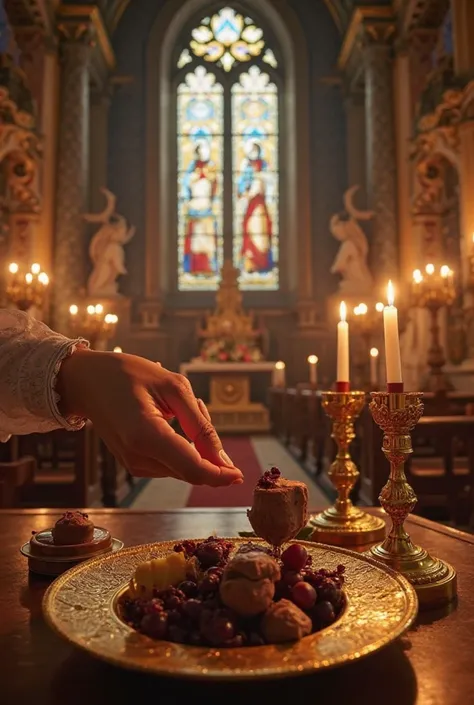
[82, 607]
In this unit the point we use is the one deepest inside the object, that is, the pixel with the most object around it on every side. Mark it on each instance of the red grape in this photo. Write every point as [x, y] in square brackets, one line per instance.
[192, 609]
[303, 595]
[294, 557]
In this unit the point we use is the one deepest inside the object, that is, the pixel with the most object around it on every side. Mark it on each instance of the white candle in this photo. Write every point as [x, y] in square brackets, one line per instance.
[279, 374]
[392, 344]
[374, 368]
[343, 346]
[313, 370]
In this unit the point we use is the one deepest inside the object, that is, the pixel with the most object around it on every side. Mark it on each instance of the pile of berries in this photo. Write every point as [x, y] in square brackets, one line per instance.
[193, 613]
[269, 479]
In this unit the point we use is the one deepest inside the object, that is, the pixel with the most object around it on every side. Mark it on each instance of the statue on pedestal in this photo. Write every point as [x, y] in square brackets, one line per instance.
[351, 259]
[106, 249]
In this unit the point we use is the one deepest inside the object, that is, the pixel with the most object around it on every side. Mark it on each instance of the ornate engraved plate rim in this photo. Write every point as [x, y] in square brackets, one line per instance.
[79, 606]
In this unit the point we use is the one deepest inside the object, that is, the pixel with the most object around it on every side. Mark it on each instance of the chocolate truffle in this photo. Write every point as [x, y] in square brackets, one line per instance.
[248, 583]
[284, 621]
[280, 508]
[73, 528]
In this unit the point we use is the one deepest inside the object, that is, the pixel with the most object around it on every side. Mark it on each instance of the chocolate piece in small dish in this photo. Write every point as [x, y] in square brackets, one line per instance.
[73, 528]
[280, 508]
[73, 539]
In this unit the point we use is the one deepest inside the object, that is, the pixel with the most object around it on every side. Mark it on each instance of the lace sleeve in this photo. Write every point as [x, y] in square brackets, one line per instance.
[30, 358]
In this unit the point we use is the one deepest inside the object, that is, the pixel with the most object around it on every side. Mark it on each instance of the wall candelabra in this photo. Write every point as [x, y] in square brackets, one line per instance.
[26, 289]
[433, 290]
[93, 323]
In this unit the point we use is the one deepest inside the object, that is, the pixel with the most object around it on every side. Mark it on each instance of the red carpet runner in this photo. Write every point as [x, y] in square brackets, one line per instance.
[243, 455]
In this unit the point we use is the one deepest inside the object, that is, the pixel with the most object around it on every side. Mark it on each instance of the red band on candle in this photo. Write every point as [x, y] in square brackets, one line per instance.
[343, 387]
[395, 387]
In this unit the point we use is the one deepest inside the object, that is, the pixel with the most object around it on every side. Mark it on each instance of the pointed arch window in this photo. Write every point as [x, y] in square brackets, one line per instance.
[227, 153]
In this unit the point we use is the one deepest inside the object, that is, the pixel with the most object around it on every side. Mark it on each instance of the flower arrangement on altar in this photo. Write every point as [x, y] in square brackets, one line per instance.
[229, 350]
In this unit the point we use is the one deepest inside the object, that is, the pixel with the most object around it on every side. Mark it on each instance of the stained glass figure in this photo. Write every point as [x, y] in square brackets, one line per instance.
[200, 162]
[255, 162]
[219, 43]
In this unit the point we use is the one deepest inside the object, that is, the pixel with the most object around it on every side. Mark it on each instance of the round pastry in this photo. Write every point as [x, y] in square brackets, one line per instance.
[73, 528]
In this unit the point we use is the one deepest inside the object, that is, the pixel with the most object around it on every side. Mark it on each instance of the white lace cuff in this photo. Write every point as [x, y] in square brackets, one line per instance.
[30, 357]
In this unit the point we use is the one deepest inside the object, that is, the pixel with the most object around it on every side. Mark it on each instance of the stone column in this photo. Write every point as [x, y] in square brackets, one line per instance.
[381, 157]
[73, 168]
[463, 26]
[355, 139]
[99, 133]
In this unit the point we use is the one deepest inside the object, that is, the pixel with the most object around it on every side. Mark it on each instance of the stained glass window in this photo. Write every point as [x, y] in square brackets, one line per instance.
[255, 177]
[228, 171]
[200, 157]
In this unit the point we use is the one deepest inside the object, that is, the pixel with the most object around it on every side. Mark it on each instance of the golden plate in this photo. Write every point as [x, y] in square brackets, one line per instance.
[81, 606]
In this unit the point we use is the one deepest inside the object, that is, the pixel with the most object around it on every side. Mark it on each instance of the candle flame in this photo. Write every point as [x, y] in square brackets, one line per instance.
[379, 307]
[35, 268]
[280, 365]
[13, 268]
[28, 277]
[417, 276]
[73, 310]
[110, 318]
[374, 352]
[99, 308]
[313, 359]
[445, 271]
[363, 309]
[343, 311]
[90, 310]
[118, 349]
[430, 268]
[390, 293]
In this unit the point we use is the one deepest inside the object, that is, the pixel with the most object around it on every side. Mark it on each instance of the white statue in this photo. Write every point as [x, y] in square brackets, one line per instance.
[351, 259]
[106, 248]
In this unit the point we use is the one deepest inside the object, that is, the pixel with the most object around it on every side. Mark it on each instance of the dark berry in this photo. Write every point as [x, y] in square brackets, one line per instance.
[188, 588]
[195, 639]
[294, 557]
[236, 642]
[177, 634]
[155, 625]
[217, 630]
[209, 584]
[192, 609]
[256, 640]
[209, 554]
[303, 595]
[173, 602]
[322, 615]
[269, 479]
[153, 606]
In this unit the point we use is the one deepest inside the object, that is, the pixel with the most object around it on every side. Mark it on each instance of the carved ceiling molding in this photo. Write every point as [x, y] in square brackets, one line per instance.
[370, 24]
[85, 23]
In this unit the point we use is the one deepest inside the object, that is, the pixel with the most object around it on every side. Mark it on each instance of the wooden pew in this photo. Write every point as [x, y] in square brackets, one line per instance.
[13, 477]
[440, 470]
[67, 473]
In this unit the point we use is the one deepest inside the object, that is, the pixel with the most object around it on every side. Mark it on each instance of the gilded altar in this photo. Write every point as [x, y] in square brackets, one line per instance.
[231, 352]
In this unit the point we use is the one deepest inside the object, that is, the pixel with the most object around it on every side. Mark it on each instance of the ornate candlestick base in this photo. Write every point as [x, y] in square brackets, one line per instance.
[434, 580]
[343, 524]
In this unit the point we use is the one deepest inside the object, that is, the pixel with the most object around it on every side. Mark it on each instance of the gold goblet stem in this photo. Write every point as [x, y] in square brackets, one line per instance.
[434, 580]
[343, 524]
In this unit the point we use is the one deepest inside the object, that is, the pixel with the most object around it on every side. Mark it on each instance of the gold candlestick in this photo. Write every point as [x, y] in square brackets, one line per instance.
[434, 580]
[343, 524]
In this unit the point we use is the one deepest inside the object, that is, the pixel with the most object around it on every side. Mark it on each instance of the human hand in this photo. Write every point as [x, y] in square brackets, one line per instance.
[130, 401]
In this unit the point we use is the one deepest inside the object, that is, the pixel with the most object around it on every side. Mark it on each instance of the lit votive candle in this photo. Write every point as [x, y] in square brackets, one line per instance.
[313, 369]
[279, 374]
[342, 382]
[374, 368]
[393, 360]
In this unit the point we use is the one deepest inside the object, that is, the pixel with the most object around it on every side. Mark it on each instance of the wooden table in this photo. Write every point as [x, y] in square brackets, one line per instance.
[431, 665]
